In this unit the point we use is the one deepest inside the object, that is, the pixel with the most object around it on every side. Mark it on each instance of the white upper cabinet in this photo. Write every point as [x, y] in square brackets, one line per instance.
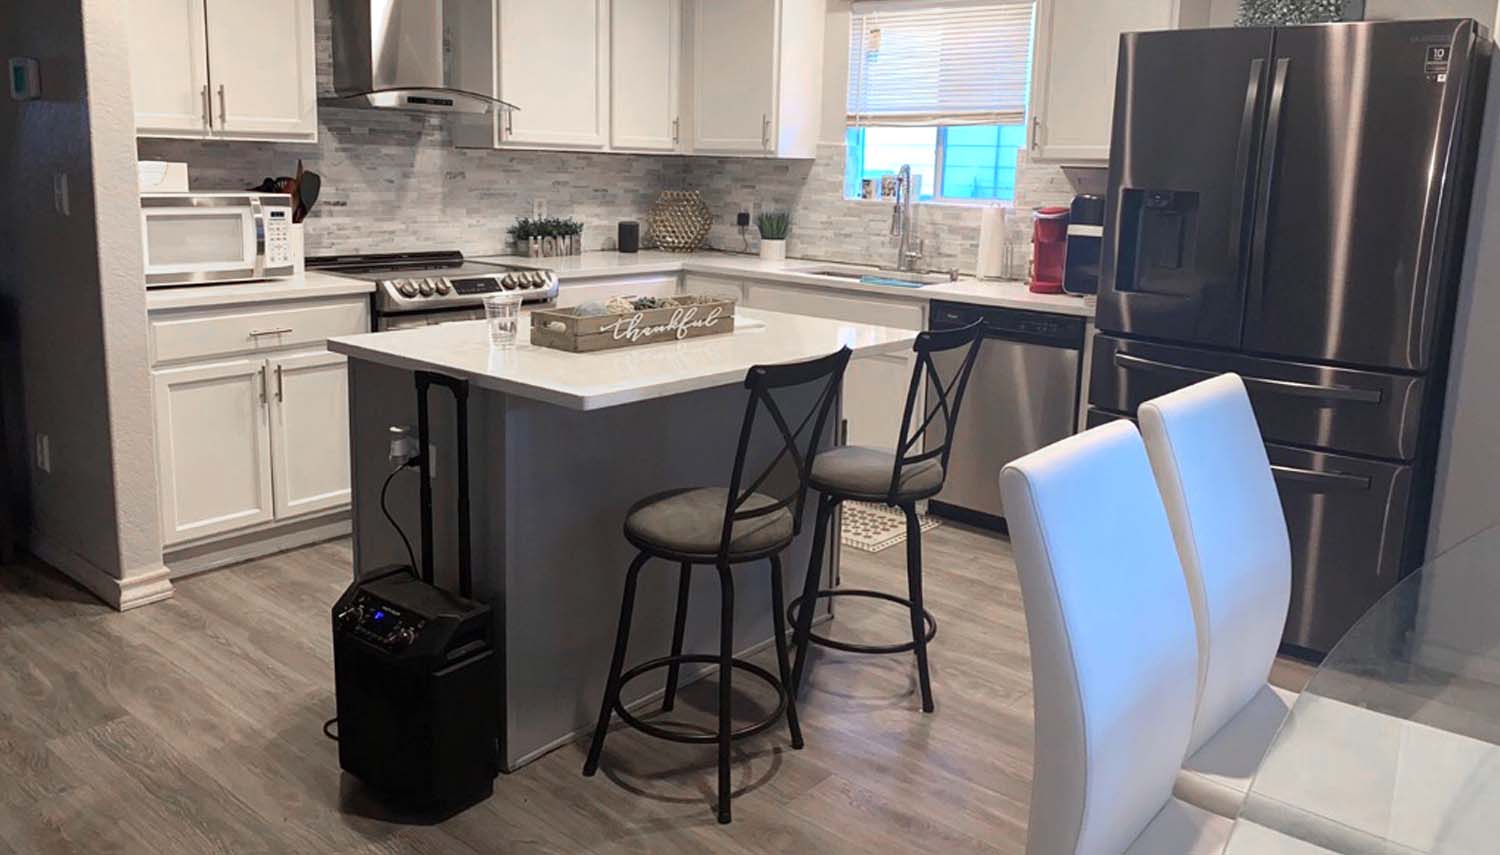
[552, 62]
[734, 75]
[169, 67]
[645, 74]
[1073, 71]
[226, 69]
[261, 67]
[757, 76]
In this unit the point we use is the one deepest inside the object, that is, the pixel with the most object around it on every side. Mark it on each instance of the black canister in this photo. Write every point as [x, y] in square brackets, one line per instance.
[1085, 244]
[630, 236]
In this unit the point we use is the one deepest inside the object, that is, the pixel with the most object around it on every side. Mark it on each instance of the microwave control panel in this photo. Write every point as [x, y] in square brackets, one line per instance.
[278, 237]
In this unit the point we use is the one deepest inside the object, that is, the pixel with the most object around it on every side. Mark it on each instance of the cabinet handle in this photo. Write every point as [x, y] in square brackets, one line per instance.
[223, 108]
[263, 394]
[208, 107]
[280, 388]
[765, 132]
[675, 127]
[1036, 131]
[510, 127]
[276, 331]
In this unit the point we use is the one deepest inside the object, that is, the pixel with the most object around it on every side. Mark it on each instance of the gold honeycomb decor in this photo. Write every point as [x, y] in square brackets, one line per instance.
[679, 221]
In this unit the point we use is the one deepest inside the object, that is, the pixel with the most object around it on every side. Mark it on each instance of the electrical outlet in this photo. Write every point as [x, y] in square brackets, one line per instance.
[755, 210]
[44, 453]
[403, 444]
[60, 201]
[538, 208]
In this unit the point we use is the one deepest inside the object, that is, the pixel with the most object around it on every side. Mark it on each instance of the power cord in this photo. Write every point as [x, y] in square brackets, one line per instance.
[327, 728]
[411, 556]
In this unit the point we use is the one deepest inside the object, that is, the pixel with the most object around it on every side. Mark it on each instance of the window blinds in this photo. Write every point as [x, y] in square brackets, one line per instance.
[939, 63]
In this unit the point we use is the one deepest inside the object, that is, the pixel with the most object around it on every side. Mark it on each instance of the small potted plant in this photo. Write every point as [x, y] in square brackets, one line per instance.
[774, 226]
[547, 236]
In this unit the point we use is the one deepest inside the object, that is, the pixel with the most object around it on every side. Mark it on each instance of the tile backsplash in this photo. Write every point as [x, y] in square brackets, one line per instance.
[394, 181]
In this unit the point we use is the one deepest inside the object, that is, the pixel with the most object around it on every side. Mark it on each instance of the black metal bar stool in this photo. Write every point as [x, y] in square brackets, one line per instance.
[749, 521]
[899, 479]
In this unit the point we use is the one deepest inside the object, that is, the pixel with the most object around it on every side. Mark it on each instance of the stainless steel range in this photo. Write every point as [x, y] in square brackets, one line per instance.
[414, 289]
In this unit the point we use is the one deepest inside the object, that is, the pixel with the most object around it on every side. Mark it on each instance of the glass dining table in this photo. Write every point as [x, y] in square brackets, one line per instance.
[1394, 746]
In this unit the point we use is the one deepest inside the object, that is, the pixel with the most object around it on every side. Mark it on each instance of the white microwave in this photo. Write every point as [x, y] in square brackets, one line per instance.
[214, 238]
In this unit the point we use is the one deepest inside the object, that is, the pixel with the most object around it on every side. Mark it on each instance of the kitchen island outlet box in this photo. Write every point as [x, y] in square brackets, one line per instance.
[25, 79]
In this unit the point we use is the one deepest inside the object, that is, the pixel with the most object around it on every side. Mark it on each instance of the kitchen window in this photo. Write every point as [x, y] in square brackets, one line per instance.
[940, 86]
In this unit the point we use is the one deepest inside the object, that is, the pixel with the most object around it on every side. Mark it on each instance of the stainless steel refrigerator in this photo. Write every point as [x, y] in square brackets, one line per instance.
[1290, 204]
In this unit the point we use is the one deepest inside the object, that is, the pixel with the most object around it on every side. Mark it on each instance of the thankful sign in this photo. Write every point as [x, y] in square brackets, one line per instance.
[683, 322]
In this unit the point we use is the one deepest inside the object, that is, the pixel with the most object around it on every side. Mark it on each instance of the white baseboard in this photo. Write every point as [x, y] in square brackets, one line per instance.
[248, 546]
[143, 587]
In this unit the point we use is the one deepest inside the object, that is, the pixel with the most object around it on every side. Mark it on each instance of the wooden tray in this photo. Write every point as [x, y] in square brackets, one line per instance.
[562, 329]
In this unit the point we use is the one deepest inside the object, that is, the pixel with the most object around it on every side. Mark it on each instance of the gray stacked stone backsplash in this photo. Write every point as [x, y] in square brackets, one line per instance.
[393, 181]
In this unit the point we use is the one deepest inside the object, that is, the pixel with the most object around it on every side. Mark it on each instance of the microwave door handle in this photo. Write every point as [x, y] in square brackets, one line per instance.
[258, 223]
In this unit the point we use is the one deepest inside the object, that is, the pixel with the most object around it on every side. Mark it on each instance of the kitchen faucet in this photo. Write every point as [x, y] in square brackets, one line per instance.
[904, 222]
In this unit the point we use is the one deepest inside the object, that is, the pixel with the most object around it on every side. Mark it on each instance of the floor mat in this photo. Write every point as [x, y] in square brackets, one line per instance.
[873, 527]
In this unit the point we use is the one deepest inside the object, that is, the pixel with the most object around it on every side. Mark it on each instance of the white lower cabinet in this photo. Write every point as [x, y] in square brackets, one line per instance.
[309, 433]
[213, 437]
[250, 434]
[578, 292]
[713, 286]
[875, 387]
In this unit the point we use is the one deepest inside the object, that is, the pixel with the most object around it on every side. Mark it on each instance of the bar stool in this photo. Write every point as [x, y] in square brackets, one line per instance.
[753, 519]
[899, 479]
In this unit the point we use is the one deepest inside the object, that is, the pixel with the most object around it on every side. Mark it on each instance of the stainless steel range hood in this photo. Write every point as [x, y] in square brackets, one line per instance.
[390, 54]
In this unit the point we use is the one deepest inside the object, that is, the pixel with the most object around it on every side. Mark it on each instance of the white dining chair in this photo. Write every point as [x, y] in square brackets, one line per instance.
[1211, 467]
[1113, 651]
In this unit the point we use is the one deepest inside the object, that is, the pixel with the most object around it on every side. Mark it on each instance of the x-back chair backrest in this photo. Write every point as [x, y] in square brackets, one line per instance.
[949, 394]
[784, 479]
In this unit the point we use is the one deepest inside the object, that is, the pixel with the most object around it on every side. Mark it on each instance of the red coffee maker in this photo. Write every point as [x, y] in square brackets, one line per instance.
[1049, 255]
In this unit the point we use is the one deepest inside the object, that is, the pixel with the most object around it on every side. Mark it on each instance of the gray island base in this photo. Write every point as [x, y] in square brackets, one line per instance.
[561, 446]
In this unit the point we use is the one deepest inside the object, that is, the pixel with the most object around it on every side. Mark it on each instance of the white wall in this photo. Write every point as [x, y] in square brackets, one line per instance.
[72, 285]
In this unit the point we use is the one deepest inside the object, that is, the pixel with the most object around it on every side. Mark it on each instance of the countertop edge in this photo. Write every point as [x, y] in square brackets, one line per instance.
[308, 286]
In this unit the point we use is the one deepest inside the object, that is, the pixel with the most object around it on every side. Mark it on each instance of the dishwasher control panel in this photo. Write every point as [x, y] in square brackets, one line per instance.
[1019, 324]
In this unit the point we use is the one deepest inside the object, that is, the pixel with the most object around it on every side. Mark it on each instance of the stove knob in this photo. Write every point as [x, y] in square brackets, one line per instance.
[442, 287]
[425, 286]
[405, 288]
[509, 281]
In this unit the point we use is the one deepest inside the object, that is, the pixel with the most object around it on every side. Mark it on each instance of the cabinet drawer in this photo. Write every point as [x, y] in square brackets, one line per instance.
[251, 329]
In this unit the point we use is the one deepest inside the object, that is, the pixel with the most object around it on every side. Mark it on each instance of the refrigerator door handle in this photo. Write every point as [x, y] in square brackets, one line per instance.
[1267, 178]
[1328, 481]
[1244, 152]
[1260, 384]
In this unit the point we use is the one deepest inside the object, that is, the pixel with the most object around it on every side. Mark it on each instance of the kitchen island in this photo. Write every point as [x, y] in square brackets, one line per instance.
[560, 446]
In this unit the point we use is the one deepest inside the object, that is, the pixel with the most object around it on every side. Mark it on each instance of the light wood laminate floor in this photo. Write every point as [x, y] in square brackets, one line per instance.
[194, 727]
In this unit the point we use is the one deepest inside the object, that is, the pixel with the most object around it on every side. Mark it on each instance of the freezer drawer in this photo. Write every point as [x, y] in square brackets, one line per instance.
[1348, 520]
[1361, 412]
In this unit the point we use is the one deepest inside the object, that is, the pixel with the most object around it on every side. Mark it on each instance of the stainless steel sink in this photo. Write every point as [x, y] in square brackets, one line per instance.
[875, 276]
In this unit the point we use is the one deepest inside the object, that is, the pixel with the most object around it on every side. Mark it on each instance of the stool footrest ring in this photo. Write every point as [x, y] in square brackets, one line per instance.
[680, 735]
[851, 647]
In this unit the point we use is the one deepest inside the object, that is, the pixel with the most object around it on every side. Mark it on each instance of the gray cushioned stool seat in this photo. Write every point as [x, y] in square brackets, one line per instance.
[865, 473]
[691, 521]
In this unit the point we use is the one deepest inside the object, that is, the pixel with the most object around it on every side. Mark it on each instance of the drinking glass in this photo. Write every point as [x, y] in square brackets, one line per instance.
[503, 311]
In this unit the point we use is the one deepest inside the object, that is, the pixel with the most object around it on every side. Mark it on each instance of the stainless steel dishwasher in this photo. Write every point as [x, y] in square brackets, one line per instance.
[1022, 396]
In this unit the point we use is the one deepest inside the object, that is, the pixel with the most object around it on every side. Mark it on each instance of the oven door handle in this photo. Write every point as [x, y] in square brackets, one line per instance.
[1290, 388]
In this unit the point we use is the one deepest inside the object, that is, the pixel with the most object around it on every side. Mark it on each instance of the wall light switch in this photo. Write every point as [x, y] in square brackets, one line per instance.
[538, 209]
[25, 79]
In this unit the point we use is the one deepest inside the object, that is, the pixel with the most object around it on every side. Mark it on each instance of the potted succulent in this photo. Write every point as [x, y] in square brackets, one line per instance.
[547, 236]
[774, 226]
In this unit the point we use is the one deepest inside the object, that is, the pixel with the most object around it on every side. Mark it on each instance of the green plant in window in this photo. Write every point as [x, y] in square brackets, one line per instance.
[774, 225]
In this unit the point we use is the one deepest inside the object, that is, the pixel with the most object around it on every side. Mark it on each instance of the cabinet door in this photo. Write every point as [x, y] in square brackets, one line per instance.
[645, 65]
[1073, 77]
[261, 67]
[734, 75]
[552, 61]
[213, 448]
[309, 433]
[168, 67]
[713, 286]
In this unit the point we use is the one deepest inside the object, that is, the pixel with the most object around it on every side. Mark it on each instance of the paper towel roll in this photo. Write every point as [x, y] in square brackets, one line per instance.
[991, 261]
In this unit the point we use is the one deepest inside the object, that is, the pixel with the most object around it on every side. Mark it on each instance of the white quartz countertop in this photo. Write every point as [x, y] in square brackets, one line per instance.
[591, 381]
[304, 286]
[1009, 294]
